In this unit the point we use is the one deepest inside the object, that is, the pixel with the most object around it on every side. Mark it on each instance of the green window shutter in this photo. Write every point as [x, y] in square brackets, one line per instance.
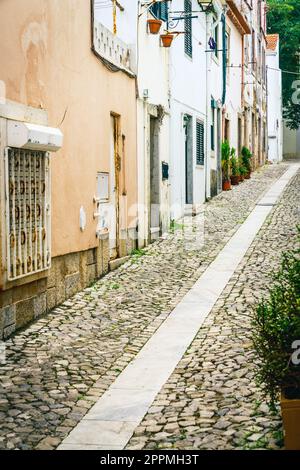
[199, 142]
[164, 11]
[160, 10]
[188, 39]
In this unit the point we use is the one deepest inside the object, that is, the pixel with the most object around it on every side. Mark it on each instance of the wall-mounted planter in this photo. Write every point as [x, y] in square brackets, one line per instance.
[154, 26]
[167, 39]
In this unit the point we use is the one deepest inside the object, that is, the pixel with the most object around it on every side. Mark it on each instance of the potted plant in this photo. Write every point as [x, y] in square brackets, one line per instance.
[242, 169]
[234, 178]
[246, 158]
[154, 25]
[167, 39]
[276, 339]
[225, 163]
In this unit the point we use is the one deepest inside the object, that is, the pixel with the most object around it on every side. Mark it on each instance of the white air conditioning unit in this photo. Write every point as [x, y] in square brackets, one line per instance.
[28, 136]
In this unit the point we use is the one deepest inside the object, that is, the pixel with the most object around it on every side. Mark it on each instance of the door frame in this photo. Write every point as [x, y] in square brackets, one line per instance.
[116, 166]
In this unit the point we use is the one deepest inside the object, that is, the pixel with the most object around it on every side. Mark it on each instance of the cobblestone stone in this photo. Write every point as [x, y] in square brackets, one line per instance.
[230, 414]
[78, 350]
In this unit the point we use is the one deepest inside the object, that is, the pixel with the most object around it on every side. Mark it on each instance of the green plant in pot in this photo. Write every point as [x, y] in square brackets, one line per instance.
[225, 163]
[246, 156]
[276, 340]
[235, 173]
[242, 169]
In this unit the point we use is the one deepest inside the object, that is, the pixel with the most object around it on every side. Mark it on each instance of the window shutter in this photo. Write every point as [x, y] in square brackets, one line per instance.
[164, 11]
[200, 142]
[160, 10]
[188, 40]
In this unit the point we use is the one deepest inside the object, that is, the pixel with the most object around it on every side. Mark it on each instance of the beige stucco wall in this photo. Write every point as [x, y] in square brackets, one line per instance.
[46, 62]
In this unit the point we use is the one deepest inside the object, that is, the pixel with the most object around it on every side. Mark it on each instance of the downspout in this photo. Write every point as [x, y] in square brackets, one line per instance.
[208, 60]
[224, 56]
[210, 25]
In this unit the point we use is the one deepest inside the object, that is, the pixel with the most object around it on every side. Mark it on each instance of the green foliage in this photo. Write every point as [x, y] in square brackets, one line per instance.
[175, 226]
[246, 156]
[242, 169]
[138, 252]
[234, 164]
[284, 19]
[226, 154]
[276, 325]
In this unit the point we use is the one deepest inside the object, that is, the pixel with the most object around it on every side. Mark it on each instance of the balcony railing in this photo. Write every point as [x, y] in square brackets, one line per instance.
[112, 49]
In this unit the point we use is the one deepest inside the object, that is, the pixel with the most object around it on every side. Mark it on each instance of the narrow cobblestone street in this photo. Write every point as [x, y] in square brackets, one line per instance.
[58, 367]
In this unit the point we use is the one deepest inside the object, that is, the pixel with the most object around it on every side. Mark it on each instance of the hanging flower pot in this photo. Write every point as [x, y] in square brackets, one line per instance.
[167, 39]
[154, 26]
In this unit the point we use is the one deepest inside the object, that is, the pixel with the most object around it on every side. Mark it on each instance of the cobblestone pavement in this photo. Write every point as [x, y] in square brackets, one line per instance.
[211, 401]
[59, 366]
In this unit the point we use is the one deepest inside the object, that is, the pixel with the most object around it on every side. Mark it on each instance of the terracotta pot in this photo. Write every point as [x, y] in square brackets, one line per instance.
[226, 186]
[167, 39]
[235, 179]
[154, 26]
[290, 410]
[248, 175]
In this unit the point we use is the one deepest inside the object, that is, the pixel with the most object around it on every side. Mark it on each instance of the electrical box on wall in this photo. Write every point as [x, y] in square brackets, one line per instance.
[103, 187]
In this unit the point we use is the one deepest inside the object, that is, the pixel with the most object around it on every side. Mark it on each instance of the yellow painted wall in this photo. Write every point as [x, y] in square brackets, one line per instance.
[46, 62]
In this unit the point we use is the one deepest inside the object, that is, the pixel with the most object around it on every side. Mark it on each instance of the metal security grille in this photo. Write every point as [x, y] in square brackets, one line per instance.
[188, 39]
[27, 212]
[199, 143]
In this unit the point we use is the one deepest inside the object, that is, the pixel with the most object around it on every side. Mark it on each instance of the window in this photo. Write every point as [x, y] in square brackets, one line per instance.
[253, 57]
[259, 59]
[199, 142]
[227, 46]
[188, 39]
[216, 40]
[263, 58]
[27, 212]
[212, 127]
[227, 129]
[259, 15]
[239, 135]
[160, 10]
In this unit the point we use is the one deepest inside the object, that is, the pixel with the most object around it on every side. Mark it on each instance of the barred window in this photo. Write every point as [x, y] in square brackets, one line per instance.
[27, 212]
[199, 142]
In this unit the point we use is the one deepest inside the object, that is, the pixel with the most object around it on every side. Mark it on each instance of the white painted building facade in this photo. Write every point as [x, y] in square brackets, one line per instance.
[190, 98]
[153, 123]
[188, 108]
[274, 96]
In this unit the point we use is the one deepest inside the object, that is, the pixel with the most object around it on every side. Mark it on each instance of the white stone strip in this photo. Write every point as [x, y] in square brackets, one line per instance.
[112, 420]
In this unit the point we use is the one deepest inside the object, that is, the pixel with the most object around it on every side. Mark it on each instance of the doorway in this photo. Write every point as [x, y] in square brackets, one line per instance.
[114, 187]
[227, 129]
[155, 226]
[219, 156]
[259, 146]
[188, 125]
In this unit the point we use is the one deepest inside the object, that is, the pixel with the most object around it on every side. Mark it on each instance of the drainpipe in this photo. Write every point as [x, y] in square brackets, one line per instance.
[224, 57]
[208, 104]
[210, 25]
